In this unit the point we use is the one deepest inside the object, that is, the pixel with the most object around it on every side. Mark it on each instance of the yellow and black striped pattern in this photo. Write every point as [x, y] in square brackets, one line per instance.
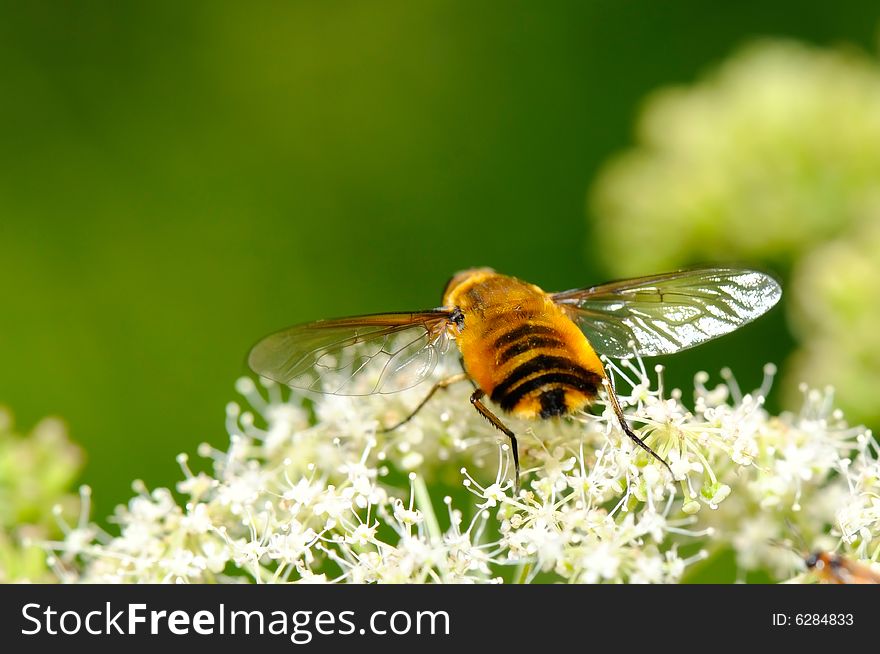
[520, 348]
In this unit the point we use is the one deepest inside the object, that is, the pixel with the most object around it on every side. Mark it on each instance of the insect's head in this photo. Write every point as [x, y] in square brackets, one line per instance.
[457, 318]
[813, 560]
[460, 277]
[823, 562]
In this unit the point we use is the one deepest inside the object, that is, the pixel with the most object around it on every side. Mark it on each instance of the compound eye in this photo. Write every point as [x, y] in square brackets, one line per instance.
[457, 317]
[812, 560]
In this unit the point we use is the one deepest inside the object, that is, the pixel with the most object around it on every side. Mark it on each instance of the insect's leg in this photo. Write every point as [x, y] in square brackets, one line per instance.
[491, 417]
[629, 432]
[470, 379]
[443, 383]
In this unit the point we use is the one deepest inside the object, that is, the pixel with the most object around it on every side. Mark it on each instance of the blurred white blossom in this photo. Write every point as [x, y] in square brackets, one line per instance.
[835, 311]
[764, 157]
[311, 491]
[37, 471]
[769, 157]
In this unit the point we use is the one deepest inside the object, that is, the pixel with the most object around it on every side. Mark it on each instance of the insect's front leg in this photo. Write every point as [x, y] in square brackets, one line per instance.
[443, 383]
[470, 379]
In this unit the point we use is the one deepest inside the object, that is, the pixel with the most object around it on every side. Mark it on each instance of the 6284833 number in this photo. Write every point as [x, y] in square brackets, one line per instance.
[823, 619]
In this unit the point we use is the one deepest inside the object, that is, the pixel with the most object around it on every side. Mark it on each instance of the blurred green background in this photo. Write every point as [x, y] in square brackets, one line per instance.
[177, 179]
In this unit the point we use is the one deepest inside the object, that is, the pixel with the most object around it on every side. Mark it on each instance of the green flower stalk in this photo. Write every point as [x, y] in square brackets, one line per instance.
[312, 491]
[36, 473]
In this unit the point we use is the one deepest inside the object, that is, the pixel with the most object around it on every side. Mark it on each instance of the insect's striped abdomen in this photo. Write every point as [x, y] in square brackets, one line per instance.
[522, 349]
[540, 373]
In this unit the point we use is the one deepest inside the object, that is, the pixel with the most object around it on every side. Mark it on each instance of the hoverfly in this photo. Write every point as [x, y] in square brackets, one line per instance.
[831, 568]
[534, 354]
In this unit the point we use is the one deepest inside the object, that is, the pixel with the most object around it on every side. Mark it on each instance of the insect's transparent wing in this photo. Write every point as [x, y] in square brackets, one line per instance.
[381, 353]
[663, 314]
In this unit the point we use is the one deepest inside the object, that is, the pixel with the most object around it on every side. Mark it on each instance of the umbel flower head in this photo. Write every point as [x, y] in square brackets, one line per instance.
[311, 491]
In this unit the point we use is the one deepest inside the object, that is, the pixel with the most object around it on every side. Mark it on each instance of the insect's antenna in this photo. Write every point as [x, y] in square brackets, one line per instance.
[786, 545]
[609, 389]
[781, 544]
[799, 537]
[802, 555]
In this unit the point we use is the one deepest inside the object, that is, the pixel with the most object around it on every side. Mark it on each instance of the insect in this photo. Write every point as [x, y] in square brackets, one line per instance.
[533, 354]
[832, 568]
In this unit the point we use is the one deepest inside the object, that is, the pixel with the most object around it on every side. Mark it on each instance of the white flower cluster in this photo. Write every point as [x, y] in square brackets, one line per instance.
[313, 491]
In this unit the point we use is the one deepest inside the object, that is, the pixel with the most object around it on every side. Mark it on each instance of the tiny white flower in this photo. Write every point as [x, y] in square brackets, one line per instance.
[362, 535]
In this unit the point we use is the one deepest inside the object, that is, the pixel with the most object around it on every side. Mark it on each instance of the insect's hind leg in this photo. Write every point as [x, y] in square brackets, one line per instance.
[626, 428]
[476, 398]
[443, 383]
